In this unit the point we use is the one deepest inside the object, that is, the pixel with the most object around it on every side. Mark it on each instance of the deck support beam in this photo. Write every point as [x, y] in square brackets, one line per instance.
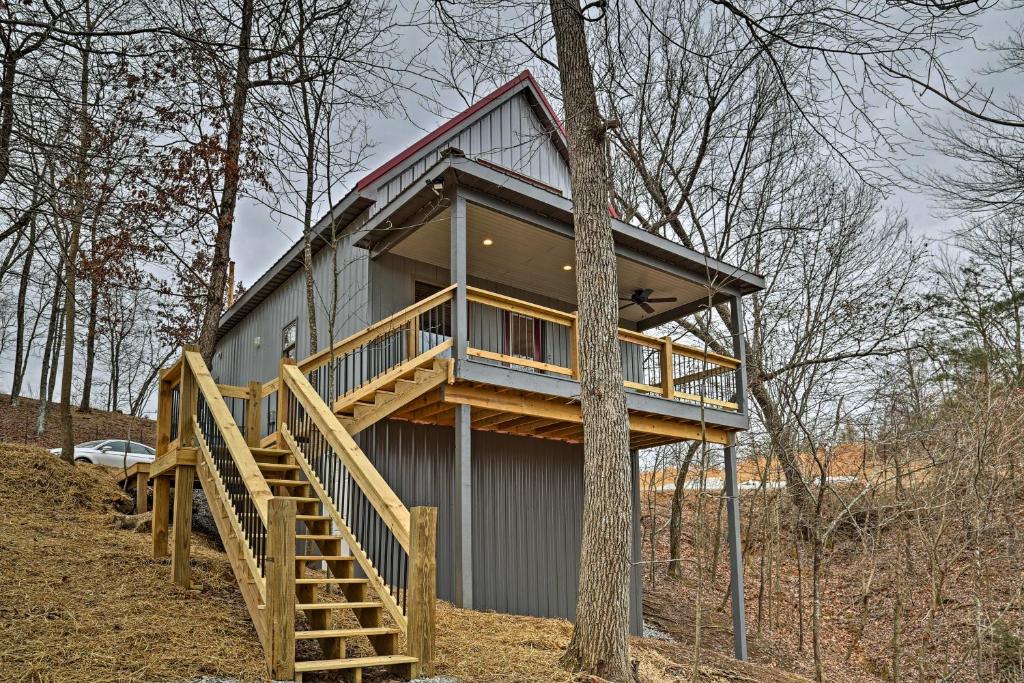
[460, 307]
[181, 569]
[739, 625]
[463, 507]
[161, 509]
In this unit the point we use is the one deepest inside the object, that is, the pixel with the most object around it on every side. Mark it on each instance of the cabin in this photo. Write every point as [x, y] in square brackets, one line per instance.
[431, 445]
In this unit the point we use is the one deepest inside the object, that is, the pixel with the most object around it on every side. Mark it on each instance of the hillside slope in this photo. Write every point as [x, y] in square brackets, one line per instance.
[18, 425]
[81, 600]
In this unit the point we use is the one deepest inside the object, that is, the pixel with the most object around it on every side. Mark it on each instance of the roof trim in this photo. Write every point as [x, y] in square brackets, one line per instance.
[352, 203]
[524, 79]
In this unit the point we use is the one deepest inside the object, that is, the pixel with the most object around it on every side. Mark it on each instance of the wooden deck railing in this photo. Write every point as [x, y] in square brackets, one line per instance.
[520, 333]
[513, 332]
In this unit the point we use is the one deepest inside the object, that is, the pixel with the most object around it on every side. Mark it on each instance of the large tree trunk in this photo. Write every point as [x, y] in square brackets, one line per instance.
[10, 70]
[600, 640]
[229, 191]
[71, 262]
[19, 338]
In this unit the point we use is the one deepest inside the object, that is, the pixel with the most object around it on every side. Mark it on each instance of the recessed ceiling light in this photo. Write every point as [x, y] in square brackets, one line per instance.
[566, 267]
[488, 241]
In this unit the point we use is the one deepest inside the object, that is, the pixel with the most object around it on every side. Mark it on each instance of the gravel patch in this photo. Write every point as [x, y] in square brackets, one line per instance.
[656, 633]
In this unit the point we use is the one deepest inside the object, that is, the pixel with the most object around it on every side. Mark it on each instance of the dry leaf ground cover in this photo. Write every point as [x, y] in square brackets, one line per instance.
[18, 425]
[82, 600]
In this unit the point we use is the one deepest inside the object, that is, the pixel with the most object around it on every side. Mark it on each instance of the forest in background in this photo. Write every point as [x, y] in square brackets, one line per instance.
[768, 137]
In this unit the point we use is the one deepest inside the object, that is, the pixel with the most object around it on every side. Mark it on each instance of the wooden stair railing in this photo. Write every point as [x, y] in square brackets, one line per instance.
[412, 334]
[376, 526]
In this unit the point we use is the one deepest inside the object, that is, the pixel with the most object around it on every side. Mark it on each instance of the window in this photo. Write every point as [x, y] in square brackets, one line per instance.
[288, 337]
[140, 449]
[523, 336]
[116, 446]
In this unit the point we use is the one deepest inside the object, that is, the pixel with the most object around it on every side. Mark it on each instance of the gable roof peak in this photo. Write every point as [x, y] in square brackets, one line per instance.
[524, 81]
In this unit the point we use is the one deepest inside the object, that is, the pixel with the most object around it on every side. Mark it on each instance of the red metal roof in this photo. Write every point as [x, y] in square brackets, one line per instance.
[453, 123]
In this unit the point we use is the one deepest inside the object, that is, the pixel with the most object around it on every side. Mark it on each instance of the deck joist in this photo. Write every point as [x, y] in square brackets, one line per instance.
[523, 413]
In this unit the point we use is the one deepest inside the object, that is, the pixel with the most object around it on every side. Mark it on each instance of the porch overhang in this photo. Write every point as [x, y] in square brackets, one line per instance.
[415, 225]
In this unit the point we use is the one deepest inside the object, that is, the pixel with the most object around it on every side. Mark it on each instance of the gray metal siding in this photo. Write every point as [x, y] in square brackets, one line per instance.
[527, 513]
[418, 462]
[510, 135]
[239, 360]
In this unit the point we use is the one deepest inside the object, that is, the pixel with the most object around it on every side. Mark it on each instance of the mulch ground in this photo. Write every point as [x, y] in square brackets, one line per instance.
[82, 600]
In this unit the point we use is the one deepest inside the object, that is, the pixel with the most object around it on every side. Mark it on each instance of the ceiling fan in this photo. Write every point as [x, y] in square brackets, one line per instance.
[642, 298]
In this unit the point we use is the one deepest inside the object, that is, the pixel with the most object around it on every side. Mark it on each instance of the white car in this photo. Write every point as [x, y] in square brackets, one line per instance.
[112, 452]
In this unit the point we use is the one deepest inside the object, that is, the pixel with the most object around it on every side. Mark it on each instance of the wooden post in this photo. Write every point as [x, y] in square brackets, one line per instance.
[184, 477]
[413, 339]
[141, 492]
[282, 400]
[252, 414]
[187, 400]
[422, 588]
[574, 347]
[163, 414]
[668, 384]
[231, 283]
[161, 505]
[281, 588]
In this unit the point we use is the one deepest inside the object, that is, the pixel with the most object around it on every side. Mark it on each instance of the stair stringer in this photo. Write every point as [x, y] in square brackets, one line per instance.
[436, 377]
[243, 564]
[348, 400]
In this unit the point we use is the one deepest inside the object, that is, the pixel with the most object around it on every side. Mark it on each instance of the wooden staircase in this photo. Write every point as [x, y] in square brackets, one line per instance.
[336, 596]
[326, 606]
[392, 391]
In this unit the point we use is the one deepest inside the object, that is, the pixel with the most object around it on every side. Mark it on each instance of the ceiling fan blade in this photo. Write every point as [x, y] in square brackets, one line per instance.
[626, 305]
[647, 308]
[662, 299]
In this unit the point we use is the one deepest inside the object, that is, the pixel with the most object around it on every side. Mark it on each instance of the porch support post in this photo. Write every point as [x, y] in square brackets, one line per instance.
[460, 309]
[463, 508]
[739, 624]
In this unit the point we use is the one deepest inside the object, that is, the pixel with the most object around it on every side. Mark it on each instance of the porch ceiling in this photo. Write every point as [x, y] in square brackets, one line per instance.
[532, 259]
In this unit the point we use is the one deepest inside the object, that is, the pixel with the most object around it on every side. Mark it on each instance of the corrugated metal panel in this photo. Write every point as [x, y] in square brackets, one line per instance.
[418, 462]
[527, 513]
[510, 135]
[239, 359]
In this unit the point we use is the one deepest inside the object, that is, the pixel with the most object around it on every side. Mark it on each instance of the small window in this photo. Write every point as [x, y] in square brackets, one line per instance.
[288, 337]
[140, 449]
[117, 446]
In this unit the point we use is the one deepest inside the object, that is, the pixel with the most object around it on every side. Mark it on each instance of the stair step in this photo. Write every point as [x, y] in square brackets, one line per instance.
[291, 483]
[316, 537]
[326, 558]
[345, 632]
[276, 467]
[353, 663]
[337, 605]
[404, 385]
[382, 397]
[326, 581]
[312, 518]
[268, 454]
